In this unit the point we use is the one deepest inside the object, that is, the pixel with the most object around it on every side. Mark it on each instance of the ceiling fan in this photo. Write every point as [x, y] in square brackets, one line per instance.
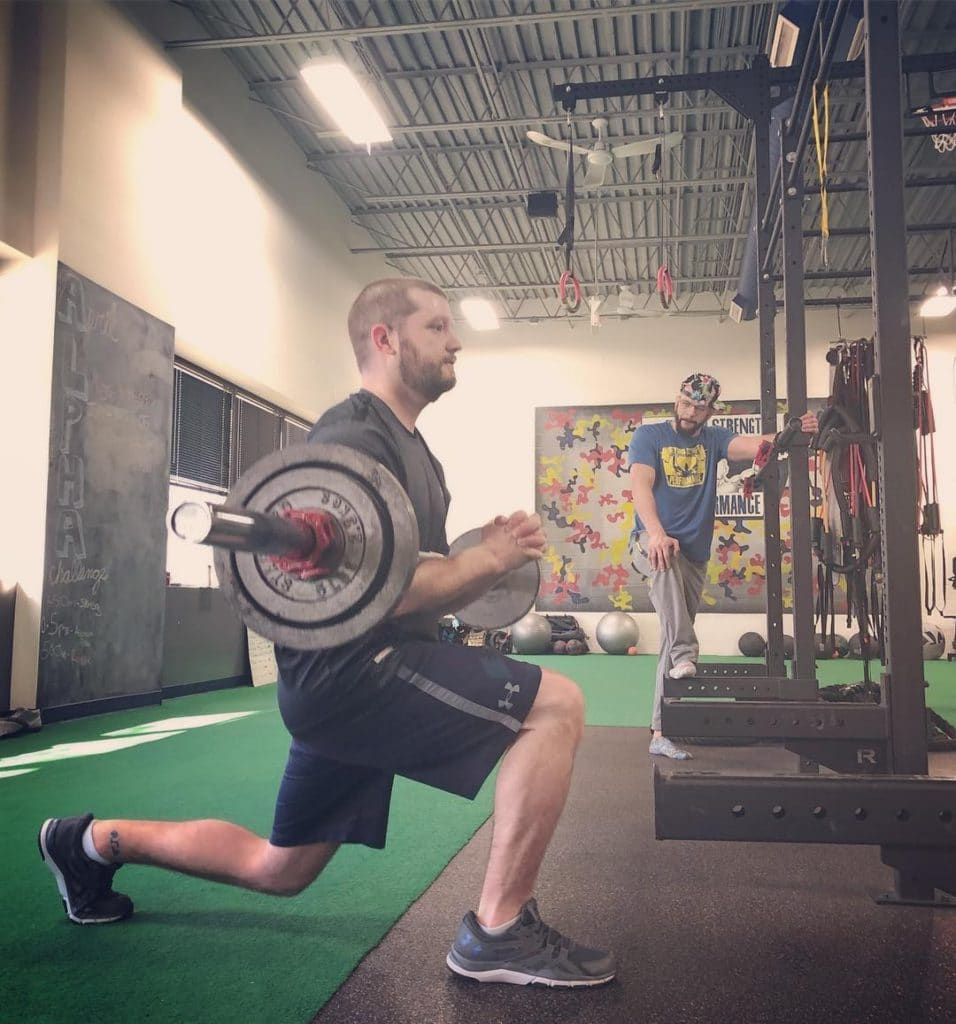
[600, 155]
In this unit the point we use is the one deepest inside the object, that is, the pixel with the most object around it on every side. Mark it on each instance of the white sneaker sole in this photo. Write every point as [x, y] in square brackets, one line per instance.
[61, 881]
[506, 977]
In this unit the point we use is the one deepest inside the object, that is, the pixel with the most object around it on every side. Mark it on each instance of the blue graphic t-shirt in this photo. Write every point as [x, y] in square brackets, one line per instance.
[685, 485]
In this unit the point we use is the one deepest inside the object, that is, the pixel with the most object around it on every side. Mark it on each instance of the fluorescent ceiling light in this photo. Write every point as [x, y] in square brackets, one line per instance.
[480, 314]
[342, 97]
[941, 303]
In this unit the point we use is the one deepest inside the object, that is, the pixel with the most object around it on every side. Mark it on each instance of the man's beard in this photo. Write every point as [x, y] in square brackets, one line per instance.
[683, 431]
[420, 377]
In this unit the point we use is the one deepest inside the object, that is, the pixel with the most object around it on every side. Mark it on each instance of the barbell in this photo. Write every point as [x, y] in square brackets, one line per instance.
[317, 543]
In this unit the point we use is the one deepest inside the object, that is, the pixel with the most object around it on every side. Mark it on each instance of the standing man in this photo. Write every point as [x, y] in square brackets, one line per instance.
[393, 702]
[673, 470]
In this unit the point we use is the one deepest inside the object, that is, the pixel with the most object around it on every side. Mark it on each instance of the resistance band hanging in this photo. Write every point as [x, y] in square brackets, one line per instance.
[665, 284]
[823, 144]
[928, 518]
[569, 288]
[846, 536]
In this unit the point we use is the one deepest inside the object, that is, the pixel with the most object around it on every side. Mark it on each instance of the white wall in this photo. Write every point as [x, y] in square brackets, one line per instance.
[484, 430]
[27, 296]
[186, 198]
[168, 187]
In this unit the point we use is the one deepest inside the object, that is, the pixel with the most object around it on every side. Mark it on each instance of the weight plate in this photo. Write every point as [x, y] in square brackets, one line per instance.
[511, 598]
[375, 520]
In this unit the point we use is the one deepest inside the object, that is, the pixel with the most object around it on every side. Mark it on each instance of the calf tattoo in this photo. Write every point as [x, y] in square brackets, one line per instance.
[114, 844]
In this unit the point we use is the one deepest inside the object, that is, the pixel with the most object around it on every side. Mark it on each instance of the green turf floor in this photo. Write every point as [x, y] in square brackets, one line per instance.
[202, 953]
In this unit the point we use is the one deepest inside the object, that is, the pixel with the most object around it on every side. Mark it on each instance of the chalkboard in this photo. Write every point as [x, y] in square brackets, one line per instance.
[101, 627]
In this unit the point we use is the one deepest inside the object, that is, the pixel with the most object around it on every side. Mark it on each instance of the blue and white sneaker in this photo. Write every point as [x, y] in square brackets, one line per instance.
[529, 953]
[86, 887]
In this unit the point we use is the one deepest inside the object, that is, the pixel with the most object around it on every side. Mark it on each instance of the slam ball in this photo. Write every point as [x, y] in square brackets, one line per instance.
[616, 632]
[752, 645]
[575, 647]
[859, 649]
[934, 643]
[560, 647]
[839, 648]
[532, 635]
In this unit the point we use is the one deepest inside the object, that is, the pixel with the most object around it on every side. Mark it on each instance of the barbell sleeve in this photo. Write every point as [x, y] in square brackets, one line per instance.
[203, 523]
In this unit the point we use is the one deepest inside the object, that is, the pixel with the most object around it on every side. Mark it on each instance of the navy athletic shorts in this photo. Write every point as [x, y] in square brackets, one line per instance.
[438, 713]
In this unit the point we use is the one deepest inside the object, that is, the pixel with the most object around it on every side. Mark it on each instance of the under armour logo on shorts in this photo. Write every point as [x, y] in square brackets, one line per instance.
[512, 689]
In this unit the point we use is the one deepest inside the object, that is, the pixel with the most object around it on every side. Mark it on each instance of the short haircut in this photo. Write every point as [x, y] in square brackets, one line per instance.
[386, 301]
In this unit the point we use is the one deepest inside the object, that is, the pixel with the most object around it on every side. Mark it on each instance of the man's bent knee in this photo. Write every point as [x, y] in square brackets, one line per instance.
[559, 700]
[287, 871]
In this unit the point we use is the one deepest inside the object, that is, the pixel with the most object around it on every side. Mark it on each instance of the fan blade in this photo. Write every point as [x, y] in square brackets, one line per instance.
[647, 145]
[546, 140]
[595, 175]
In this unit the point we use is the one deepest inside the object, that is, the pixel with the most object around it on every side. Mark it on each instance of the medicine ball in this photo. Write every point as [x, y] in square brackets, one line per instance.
[752, 645]
[616, 632]
[560, 646]
[575, 647]
[532, 635]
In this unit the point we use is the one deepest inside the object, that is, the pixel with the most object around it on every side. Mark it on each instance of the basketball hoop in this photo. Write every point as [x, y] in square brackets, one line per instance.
[941, 113]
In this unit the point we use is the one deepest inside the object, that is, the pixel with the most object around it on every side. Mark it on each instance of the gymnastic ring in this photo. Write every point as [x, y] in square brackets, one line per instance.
[566, 278]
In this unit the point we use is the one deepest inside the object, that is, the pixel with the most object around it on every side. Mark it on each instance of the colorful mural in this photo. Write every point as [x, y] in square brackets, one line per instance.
[583, 494]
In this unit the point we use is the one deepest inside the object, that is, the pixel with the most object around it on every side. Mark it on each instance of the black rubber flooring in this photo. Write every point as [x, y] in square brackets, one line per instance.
[704, 931]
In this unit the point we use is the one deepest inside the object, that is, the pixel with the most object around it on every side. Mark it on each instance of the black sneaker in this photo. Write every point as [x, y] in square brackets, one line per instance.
[85, 886]
[529, 953]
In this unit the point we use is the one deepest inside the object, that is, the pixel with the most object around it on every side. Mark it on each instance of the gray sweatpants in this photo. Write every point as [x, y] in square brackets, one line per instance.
[675, 595]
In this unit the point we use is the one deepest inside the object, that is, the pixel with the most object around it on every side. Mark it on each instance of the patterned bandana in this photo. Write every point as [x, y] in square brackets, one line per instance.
[701, 387]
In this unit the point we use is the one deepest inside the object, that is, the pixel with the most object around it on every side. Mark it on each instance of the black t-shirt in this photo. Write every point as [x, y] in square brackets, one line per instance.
[364, 422]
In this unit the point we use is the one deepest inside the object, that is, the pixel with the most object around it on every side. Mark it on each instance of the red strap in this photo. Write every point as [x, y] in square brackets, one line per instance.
[763, 454]
[665, 286]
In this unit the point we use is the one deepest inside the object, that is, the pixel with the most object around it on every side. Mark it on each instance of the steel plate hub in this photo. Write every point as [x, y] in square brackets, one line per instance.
[374, 520]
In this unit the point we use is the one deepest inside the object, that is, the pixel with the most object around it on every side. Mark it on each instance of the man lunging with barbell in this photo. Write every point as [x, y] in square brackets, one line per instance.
[392, 700]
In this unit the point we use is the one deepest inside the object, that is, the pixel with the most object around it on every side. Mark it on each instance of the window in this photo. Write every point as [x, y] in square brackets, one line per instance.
[202, 414]
[257, 433]
[293, 433]
[219, 430]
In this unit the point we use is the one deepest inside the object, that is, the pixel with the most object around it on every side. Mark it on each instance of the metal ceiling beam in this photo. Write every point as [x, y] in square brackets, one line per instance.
[384, 152]
[450, 24]
[505, 197]
[563, 315]
[569, 93]
[435, 251]
[430, 251]
[551, 286]
[496, 124]
[744, 53]
[717, 279]
[837, 134]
